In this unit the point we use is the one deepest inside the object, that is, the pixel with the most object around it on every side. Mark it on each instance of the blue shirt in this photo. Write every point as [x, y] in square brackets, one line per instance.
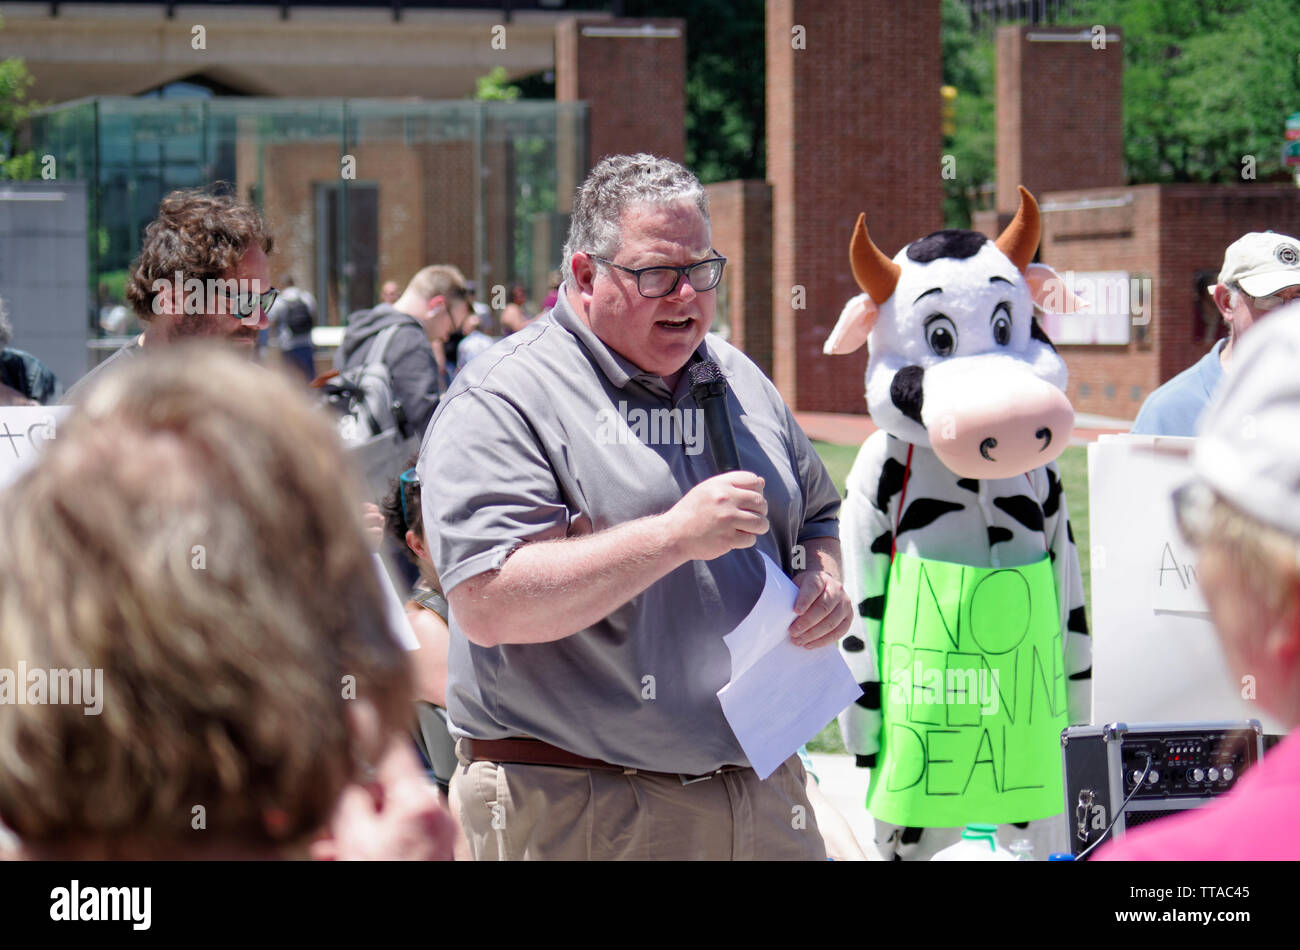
[1176, 407]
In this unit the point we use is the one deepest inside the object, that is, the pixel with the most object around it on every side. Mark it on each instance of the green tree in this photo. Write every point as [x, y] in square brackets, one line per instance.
[968, 66]
[14, 110]
[725, 70]
[1207, 84]
[495, 87]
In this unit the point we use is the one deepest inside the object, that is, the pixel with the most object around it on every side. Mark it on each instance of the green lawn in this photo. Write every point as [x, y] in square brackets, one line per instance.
[1073, 464]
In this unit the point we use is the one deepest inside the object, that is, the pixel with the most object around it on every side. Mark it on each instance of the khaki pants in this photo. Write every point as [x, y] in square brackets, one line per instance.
[541, 812]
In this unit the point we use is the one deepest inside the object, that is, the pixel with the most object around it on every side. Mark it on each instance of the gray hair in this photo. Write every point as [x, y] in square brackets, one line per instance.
[616, 183]
[6, 328]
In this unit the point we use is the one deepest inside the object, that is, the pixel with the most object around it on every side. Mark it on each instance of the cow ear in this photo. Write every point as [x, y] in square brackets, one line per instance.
[1050, 292]
[853, 327]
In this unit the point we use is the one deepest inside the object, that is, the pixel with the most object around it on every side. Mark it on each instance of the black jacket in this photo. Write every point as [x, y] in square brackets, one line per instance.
[410, 360]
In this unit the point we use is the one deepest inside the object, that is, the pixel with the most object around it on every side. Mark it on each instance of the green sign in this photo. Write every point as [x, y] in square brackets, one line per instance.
[1293, 120]
[1291, 153]
[973, 695]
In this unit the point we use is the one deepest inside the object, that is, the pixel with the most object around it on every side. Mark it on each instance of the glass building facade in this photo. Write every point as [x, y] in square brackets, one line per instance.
[356, 192]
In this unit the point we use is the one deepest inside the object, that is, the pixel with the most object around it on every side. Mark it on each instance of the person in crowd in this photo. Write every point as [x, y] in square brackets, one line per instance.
[473, 344]
[202, 272]
[592, 579]
[427, 612]
[1242, 512]
[554, 281]
[390, 292]
[292, 317]
[515, 317]
[431, 309]
[1261, 271]
[24, 379]
[242, 694]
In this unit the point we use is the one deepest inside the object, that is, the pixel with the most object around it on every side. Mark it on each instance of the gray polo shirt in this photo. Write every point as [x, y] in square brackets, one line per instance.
[551, 434]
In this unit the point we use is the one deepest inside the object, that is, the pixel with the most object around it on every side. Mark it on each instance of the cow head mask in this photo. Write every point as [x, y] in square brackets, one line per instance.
[958, 363]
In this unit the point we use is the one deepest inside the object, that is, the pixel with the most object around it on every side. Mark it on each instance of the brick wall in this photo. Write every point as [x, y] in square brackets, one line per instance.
[1059, 122]
[636, 86]
[741, 215]
[289, 174]
[1169, 234]
[852, 126]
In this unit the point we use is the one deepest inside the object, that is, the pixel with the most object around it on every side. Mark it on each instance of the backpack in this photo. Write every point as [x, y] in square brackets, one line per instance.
[371, 420]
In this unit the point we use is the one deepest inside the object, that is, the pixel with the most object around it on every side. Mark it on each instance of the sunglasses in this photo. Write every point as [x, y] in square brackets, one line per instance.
[409, 477]
[245, 305]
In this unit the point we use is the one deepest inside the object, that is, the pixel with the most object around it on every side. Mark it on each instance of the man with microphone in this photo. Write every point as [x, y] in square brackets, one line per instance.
[594, 558]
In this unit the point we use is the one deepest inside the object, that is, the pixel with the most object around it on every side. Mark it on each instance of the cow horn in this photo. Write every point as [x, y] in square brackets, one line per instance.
[1019, 240]
[874, 272]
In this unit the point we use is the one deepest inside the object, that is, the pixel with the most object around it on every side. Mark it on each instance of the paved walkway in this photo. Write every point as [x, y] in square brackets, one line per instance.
[842, 428]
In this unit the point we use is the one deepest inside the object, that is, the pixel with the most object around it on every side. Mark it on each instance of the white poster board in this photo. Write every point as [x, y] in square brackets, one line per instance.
[1155, 655]
[23, 432]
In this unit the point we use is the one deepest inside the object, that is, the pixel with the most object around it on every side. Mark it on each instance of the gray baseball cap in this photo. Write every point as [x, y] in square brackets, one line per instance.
[1248, 449]
[1262, 263]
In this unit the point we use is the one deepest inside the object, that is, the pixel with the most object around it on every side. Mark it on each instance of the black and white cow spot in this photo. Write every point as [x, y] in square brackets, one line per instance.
[923, 511]
[873, 608]
[890, 484]
[1024, 509]
[1053, 500]
[907, 392]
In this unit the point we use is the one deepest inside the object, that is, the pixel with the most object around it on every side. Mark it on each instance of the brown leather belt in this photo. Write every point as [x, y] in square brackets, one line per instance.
[524, 751]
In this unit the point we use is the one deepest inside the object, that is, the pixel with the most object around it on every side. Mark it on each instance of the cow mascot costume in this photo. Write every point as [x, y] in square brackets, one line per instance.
[972, 646]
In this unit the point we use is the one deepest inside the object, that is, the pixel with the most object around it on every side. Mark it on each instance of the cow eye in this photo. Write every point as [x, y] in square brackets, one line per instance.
[1002, 324]
[941, 334]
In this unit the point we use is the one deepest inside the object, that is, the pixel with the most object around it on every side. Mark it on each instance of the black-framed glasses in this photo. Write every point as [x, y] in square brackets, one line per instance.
[662, 279]
[412, 478]
[245, 305]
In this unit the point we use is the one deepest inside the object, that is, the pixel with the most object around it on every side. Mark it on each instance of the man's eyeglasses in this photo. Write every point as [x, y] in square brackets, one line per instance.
[245, 305]
[408, 478]
[1272, 301]
[662, 280]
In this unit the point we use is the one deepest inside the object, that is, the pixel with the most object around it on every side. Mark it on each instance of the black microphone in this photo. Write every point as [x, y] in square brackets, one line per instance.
[709, 387]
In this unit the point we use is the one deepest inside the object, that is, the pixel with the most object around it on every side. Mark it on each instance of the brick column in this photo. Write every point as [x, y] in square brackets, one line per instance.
[633, 75]
[741, 215]
[852, 126]
[1059, 121]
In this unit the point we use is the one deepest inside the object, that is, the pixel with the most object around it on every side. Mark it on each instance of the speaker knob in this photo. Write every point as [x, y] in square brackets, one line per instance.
[1227, 773]
[1196, 776]
[1153, 777]
[1136, 776]
[1214, 774]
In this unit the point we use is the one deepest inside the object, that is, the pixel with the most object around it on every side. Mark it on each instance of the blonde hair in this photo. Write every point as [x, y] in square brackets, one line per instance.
[190, 534]
[437, 280]
[1263, 561]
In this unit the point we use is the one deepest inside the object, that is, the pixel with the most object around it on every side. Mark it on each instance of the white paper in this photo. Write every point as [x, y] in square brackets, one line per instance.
[780, 695]
[24, 430]
[393, 610]
[1155, 654]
